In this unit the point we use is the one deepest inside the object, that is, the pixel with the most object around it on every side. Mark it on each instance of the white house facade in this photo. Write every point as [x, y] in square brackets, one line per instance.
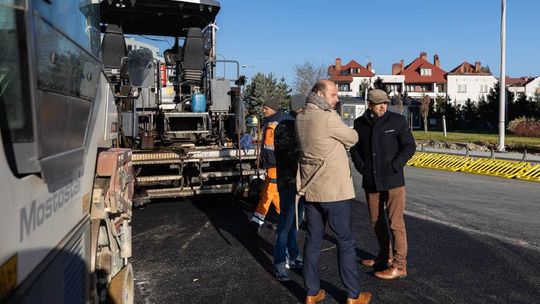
[464, 87]
[469, 82]
[355, 85]
[396, 83]
[532, 87]
[523, 86]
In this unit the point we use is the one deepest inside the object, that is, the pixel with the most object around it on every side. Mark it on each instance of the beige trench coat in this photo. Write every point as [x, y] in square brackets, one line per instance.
[324, 170]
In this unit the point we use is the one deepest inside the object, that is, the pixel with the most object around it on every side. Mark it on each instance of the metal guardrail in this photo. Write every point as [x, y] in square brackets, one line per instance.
[485, 166]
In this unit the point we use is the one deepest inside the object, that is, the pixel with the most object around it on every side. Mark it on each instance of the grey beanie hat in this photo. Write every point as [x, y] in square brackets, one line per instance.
[272, 103]
[298, 101]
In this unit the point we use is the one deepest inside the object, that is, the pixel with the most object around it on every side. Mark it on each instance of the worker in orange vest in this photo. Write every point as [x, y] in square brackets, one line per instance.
[269, 193]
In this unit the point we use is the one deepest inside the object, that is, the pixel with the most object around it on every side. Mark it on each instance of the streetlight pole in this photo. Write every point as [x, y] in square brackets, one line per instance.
[502, 85]
[251, 67]
[368, 84]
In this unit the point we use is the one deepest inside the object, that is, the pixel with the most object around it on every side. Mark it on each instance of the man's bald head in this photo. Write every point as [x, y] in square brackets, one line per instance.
[322, 86]
[326, 89]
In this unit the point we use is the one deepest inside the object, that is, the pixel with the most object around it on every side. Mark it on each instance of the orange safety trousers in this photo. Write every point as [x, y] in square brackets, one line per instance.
[269, 194]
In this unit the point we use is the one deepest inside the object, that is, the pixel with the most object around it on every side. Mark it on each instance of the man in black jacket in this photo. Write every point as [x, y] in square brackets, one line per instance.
[385, 145]
[286, 152]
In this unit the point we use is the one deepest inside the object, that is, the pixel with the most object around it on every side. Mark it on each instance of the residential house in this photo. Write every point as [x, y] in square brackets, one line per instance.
[422, 77]
[349, 77]
[527, 85]
[467, 81]
[395, 83]
[532, 87]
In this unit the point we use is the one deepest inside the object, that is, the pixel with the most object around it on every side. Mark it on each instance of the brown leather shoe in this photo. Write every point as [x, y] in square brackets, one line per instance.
[363, 298]
[391, 273]
[316, 298]
[376, 262]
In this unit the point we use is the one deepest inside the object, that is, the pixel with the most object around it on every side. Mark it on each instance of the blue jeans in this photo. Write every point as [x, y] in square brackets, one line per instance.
[286, 233]
[338, 215]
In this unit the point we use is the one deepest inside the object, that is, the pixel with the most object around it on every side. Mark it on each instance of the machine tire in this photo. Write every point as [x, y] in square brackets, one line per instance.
[121, 289]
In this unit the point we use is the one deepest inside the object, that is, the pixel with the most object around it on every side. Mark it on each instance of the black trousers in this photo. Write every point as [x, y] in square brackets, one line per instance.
[338, 215]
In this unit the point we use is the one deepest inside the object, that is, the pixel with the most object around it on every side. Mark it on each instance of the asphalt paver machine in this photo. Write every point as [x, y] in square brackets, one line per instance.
[184, 125]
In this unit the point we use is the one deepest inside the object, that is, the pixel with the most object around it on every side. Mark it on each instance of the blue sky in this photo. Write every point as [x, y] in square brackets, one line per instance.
[274, 35]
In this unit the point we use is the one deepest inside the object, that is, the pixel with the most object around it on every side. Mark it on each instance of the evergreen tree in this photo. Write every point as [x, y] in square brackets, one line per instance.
[485, 69]
[536, 105]
[488, 109]
[521, 107]
[469, 115]
[262, 88]
[364, 85]
[379, 84]
[444, 107]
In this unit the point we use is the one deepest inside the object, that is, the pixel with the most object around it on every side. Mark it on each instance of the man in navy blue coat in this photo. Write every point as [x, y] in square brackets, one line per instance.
[385, 145]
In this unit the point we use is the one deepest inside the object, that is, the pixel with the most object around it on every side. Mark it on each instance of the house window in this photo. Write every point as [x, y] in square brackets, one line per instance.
[462, 88]
[440, 87]
[344, 87]
[425, 72]
[483, 88]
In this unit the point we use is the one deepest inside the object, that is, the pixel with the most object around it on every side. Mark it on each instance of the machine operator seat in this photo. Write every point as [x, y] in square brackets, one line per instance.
[193, 55]
[113, 47]
[173, 55]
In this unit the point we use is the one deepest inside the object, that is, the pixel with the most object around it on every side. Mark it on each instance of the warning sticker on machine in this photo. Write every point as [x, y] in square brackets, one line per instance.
[8, 276]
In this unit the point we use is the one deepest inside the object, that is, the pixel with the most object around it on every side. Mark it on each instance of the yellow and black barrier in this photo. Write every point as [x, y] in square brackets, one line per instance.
[497, 167]
[533, 174]
[418, 157]
[445, 162]
[485, 166]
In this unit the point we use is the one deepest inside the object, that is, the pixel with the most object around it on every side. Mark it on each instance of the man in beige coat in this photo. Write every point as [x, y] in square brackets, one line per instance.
[326, 182]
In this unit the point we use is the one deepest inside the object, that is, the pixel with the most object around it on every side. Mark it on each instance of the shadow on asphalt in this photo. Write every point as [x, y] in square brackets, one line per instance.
[445, 264]
[260, 246]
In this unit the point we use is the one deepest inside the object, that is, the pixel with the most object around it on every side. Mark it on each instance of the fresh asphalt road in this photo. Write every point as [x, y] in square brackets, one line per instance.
[472, 239]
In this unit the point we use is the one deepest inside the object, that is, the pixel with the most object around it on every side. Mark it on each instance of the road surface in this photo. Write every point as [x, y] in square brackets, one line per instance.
[472, 239]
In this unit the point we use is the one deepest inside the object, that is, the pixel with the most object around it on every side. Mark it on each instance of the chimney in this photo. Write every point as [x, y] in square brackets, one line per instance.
[436, 61]
[338, 64]
[477, 66]
[396, 68]
[423, 55]
[401, 65]
[368, 66]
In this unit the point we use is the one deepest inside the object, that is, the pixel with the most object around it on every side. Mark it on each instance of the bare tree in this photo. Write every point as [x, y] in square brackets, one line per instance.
[424, 109]
[306, 75]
